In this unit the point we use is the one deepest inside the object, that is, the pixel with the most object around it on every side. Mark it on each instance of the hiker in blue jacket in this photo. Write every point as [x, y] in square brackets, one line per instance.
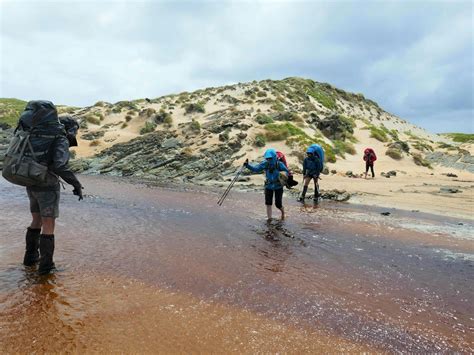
[273, 168]
[312, 167]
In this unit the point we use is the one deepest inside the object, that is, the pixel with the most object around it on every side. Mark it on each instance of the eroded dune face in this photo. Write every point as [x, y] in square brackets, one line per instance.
[158, 270]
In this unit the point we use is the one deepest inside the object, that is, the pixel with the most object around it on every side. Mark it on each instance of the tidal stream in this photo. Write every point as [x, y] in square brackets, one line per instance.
[150, 269]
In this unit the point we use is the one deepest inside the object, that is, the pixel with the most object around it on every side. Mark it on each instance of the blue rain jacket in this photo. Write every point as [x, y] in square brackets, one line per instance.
[312, 166]
[272, 170]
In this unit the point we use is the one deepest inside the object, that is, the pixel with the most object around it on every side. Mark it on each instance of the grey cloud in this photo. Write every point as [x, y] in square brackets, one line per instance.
[414, 58]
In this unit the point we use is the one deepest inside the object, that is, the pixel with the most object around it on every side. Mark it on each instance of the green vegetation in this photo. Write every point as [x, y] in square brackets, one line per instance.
[124, 125]
[148, 112]
[128, 118]
[194, 107]
[263, 119]
[422, 146]
[168, 121]
[224, 136]
[261, 94]
[278, 106]
[323, 98]
[419, 160]
[10, 111]
[461, 137]
[161, 116]
[394, 153]
[341, 148]
[279, 132]
[259, 141]
[125, 104]
[91, 118]
[148, 127]
[65, 109]
[377, 133]
[195, 126]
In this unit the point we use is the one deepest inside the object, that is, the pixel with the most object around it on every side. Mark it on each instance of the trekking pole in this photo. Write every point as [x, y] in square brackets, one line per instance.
[226, 192]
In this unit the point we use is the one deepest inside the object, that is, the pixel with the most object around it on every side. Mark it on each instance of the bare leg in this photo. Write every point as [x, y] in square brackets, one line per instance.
[48, 225]
[36, 222]
[269, 212]
[282, 210]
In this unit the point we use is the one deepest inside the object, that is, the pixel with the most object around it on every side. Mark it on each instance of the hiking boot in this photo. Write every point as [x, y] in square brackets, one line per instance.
[32, 244]
[46, 246]
[301, 199]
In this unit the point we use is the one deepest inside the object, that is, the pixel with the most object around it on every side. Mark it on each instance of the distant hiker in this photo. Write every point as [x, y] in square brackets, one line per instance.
[290, 183]
[369, 158]
[273, 169]
[37, 157]
[312, 167]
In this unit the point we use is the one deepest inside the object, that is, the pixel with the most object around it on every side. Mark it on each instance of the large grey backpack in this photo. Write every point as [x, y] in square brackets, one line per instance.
[21, 169]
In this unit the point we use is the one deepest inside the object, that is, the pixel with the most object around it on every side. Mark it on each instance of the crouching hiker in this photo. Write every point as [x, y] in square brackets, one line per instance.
[312, 167]
[273, 168]
[37, 157]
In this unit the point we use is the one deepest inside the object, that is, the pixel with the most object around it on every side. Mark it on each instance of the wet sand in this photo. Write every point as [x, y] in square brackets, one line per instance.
[145, 269]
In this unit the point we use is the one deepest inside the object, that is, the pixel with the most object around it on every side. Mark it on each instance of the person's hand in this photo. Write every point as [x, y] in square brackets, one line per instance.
[246, 162]
[78, 191]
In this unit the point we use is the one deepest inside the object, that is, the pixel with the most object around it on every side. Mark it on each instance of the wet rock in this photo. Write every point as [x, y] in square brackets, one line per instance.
[335, 195]
[325, 171]
[349, 173]
[333, 171]
[392, 173]
[385, 213]
[447, 189]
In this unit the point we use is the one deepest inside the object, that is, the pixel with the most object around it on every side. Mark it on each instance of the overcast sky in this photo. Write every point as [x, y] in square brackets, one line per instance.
[415, 58]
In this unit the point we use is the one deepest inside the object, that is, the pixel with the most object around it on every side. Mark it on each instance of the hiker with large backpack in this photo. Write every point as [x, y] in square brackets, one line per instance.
[369, 158]
[273, 184]
[312, 167]
[290, 183]
[37, 157]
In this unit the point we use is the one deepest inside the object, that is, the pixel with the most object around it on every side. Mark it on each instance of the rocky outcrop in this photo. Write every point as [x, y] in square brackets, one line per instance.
[162, 156]
[463, 160]
[336, 126]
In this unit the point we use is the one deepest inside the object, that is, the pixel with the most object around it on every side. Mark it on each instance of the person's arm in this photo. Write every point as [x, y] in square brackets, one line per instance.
[304, 167]
[257, 168]
[60, 166]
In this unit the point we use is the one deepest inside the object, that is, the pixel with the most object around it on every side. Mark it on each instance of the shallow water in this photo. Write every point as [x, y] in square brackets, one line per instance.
[159, 270]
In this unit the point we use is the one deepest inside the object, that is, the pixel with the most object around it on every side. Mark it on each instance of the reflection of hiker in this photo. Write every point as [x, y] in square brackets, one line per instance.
[312, 167]
[49, 147]
[369, 158]
[290, 183]
[273, 168]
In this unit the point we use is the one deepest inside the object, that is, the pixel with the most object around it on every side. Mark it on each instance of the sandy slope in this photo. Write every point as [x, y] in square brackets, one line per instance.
[414, 187]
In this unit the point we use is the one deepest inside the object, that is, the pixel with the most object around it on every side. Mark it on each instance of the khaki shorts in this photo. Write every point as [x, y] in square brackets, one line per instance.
[46, 203]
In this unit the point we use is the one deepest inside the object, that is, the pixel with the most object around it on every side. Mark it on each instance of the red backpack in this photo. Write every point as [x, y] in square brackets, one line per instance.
[369, 155]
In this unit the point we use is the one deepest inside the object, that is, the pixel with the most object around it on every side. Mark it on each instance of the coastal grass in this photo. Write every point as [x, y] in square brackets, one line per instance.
[148, 127]
[10, 111]
[461, 137]
[394, 153]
